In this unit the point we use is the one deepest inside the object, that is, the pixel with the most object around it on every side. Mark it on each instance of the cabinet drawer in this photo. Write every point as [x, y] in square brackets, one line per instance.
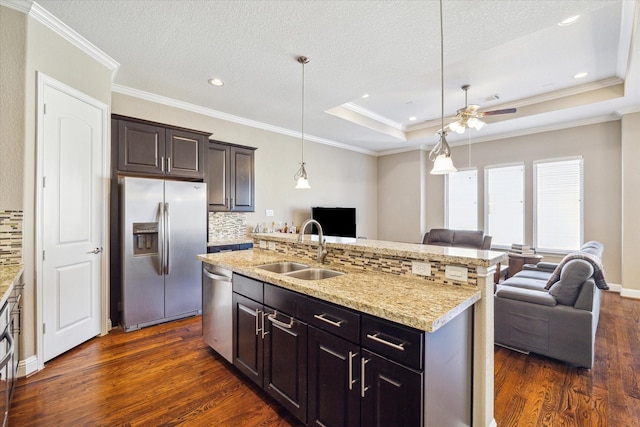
[397, 342]
[286, 301]
[339, 321]
[250, 288]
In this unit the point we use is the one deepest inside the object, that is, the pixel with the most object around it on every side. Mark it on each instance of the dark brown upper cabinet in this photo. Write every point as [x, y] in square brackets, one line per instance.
[230, 177]
[153, 148]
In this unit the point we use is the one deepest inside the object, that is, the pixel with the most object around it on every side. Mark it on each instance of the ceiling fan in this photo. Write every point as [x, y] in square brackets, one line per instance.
[470, 117]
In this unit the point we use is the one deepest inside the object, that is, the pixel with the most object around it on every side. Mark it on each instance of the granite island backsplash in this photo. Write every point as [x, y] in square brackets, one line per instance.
[10, 237]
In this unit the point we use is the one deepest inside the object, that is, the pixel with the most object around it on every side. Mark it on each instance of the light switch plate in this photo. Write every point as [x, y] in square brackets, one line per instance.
[268, 212]
[272, 246]
[263, 244]
[455, 272]
[421, 268]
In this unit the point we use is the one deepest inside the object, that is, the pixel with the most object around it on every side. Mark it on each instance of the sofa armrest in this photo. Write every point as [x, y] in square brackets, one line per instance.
[526, 295]
[542, 266]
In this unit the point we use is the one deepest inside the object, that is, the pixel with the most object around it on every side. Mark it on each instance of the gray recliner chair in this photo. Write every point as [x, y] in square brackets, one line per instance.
[474, 239]
[553, 309]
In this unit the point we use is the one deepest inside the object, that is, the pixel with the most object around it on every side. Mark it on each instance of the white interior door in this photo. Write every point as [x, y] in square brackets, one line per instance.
[72, 219]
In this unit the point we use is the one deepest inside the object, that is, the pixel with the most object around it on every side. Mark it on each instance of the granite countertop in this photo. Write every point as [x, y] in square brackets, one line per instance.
[413, 302]
[9, 277]
[481, 258]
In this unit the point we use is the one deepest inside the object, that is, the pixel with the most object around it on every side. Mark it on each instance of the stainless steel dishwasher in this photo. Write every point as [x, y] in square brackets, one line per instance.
[217, 315]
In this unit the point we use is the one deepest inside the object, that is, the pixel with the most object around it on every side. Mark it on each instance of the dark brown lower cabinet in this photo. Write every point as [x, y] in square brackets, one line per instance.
[334, 380]
[247, 338]
[285, 362]
[270, 347]
[392, 393]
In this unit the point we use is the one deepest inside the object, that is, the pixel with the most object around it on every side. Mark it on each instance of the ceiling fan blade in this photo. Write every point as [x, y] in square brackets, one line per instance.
[496, 112]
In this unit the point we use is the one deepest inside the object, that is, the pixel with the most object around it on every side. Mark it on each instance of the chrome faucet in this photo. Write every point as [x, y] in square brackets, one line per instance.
[322, 242]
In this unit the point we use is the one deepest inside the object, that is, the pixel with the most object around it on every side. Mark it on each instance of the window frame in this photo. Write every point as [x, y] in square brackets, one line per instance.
[446, 197]
[487, 230]
[580, 159]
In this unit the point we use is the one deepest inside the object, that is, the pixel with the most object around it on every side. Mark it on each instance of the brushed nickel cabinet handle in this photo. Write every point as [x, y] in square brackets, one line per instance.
[329, 321]
[376, 338]
[272, 319]
[351, 380]
[363, 388]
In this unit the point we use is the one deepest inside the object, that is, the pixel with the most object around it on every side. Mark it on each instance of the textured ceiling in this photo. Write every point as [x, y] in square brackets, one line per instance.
[387, 49]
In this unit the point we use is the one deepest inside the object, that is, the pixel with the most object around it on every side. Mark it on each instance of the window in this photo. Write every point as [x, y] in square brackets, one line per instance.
[461, 200]
[504, 204]
[558, 219]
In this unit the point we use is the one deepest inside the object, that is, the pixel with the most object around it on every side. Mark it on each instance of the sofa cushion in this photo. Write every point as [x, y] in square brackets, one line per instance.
[573, 275]
[534, 274]
[442, 236]
[518, 281]
[468, 238]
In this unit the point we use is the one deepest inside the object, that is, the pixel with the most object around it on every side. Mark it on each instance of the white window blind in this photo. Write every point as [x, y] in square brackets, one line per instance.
[504, 204]
[461, 206]
[558, 206]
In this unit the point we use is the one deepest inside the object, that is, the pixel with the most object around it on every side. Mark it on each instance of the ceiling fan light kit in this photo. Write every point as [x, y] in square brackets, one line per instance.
[470, 118]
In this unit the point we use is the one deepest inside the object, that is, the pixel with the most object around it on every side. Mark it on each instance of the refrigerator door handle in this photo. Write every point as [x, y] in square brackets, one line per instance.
[161, 239]
[168, 232]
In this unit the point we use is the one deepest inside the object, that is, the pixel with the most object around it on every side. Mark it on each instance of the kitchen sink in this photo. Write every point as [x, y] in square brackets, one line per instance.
[314, 274]
[283, 267]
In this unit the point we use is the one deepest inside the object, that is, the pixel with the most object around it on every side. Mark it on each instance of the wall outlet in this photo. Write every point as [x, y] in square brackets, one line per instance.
[455, 272]
[263, 244]
[268, 212]
[421, 268]
[272, 246]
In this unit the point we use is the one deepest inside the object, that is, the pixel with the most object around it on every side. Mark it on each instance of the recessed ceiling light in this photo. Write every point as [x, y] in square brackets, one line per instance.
[366, 95]
[580, 75]
[569, 21]
[413, 118]
[216, 82]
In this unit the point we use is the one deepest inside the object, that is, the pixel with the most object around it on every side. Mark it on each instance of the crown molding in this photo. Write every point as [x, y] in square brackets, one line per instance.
[373, 115]
[43, 16]
[170, 102]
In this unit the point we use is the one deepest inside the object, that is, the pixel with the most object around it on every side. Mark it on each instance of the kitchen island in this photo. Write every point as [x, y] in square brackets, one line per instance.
[379, 281]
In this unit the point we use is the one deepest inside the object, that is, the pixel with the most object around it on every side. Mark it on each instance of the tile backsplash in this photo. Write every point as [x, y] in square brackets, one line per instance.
[227, 226]
[10, 237]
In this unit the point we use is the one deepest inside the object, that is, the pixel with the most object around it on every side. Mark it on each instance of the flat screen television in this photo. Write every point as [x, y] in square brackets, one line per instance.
[335, 221]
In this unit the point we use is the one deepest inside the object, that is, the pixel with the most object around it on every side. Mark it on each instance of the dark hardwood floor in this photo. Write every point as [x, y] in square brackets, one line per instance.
[165, 375]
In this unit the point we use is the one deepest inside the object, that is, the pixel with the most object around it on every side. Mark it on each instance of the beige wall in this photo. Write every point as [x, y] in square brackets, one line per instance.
[13, 37]
[598, 144]
[337, 177]
[52, 55]
[400, 196]
[630, 205]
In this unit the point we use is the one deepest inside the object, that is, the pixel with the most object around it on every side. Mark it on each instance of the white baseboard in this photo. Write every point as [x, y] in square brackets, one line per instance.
[28, 366]
[615, 287]
[630, 293]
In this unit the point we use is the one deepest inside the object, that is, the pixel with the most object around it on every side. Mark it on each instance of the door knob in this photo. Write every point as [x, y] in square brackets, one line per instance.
[95, 251]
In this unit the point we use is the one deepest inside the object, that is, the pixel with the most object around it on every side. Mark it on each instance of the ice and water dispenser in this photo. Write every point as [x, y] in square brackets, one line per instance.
[145, 238]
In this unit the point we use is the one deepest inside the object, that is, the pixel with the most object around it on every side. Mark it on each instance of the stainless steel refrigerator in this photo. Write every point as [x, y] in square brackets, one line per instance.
[164, 227]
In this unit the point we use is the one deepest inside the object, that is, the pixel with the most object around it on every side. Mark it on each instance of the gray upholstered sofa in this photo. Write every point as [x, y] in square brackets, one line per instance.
[458, 238]
[553, 309]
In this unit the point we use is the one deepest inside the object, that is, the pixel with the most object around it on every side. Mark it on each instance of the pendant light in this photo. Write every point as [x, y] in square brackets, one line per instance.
[301, 176]
[440, 155]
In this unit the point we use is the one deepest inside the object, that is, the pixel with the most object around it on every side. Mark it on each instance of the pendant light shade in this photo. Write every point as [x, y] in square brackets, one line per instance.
[301, 176]
[440, 155]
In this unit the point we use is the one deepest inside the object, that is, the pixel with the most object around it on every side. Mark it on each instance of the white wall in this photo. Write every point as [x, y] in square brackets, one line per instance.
[630, 205]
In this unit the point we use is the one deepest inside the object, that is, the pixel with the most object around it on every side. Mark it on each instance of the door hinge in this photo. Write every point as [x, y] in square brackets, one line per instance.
[44, 328]
[44, 181]
[43, 256]
[44, 108]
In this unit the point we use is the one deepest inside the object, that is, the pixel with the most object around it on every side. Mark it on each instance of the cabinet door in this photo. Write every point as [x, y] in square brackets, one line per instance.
[242, 179]
[185, 154]
[392, 393]
[247, 337]
[141, 147]
[218, 177]
[334, 381]
[285, 362]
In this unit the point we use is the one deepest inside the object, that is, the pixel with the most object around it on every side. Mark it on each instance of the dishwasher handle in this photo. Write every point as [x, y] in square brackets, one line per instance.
[213, 276]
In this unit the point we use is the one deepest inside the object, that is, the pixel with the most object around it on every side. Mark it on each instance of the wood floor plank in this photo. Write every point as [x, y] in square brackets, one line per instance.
[166, 376]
